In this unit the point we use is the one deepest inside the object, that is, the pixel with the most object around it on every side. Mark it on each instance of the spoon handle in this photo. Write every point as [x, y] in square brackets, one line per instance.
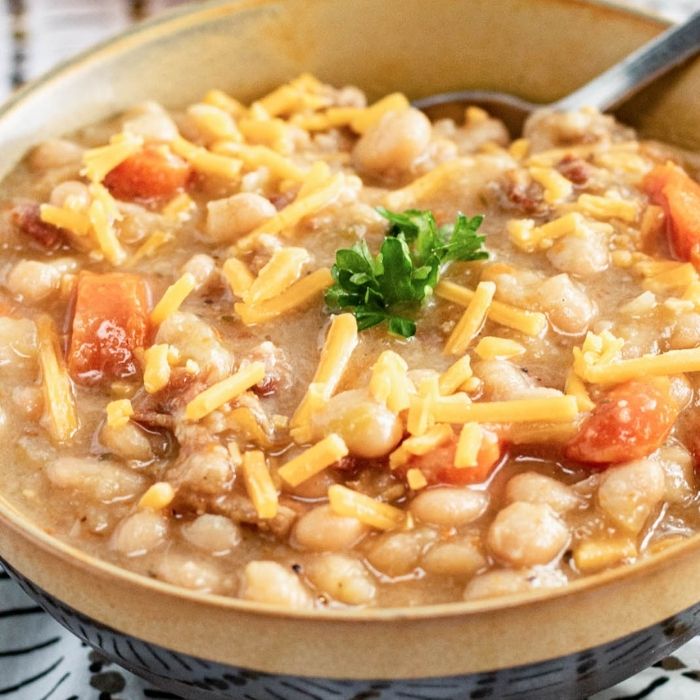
[637, 70]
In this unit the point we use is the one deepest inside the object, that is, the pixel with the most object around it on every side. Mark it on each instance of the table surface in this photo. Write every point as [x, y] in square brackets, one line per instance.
[38, 658]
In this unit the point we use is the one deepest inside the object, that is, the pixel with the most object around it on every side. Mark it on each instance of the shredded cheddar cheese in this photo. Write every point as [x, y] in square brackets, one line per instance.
[254, 157]
[532, 323]
[224, 391]
[416, 479]
[664, 364]
[389, 383]
[458, 409]
[59, 400]
[214, 123]
[576, 388]
[528, 237]
[180, 207]
[278, 274]
[314, 460]
[346, 502]
[337, 349]
[472, 319]
[285, 220]
[238, 276]
[205, 161]
[299, 294]
[490, 347]
[455, 375]
[259, 485]
[98, 162]
[468, 446]
[119, 412]
[156, 372]
[608, 207]
[368, 117]
[556, 187]
[173, 297]
[103, 213]
[158, 496]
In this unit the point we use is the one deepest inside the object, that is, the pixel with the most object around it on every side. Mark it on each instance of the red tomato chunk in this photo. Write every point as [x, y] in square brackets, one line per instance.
[153, 173]
[631, 421]
[438, 466]
[110, 323]
[679, 196]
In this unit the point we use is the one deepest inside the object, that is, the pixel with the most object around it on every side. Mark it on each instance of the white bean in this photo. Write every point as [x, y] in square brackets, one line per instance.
[398, 554]
[140, 533]
[209, 470]
[531, 487]
[188, 572]
[508, 581]
[322, 530]
[73, 190]
[55, 153]
[99, 480]
[460, 558]
[202, 267]
[686, 332]
[568, 307]
[233, 217]
[449, 507]
[679, 473]
[525, 534]
[342, 578]
[270, 582]
[628, 493]
[18, 342]
[152, 126]
[196, 340]
[369, 429]
[214, 533]
[503, 381]
[127, 441]
[33, 281]
[581, 255]
[393, 143]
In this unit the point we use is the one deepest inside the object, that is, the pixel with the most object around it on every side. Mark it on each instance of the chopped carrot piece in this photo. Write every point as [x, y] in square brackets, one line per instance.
[679, 195]
[630, 422]
[153, 173]
[111, 320]
[438, 465]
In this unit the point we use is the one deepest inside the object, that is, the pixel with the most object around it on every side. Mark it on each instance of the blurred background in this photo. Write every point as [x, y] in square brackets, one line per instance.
[37, 34]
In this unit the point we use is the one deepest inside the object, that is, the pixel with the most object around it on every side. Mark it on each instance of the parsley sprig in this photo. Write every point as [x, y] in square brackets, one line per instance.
[388, 286]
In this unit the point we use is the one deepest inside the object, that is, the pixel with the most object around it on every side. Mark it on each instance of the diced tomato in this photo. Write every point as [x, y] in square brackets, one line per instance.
[678, 194]
[438, 466]
[153, 173]
[27, 218]
[110, 322]
[630, 422]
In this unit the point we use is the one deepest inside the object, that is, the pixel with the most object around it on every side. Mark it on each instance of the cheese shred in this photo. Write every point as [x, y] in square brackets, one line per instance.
[59, 401]
[348, 503]
[173, 297]
[224, 391]
[314, 460]
[472, 319]
[259, 485]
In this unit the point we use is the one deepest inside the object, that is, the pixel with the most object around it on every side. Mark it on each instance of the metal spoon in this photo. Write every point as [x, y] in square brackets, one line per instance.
[609, 89]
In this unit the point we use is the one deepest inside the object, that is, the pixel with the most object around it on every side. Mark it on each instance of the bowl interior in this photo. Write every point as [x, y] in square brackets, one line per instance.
[539, 50]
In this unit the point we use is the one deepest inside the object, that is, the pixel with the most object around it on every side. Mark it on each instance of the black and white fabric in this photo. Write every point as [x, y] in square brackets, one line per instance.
[39, 660]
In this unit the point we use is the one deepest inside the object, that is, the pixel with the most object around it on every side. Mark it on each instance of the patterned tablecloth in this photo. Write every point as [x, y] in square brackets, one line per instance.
[38, 658]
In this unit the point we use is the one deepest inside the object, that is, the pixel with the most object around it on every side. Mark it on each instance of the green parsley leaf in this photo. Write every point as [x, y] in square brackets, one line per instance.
[404, 273]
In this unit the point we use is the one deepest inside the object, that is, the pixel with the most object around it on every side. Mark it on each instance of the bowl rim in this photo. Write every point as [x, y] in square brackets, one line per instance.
[11, 517]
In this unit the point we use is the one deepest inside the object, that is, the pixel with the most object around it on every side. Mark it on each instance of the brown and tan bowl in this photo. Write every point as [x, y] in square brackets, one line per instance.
[565, 643]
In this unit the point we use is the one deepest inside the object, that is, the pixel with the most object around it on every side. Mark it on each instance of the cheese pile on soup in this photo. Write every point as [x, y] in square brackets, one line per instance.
[314, 353]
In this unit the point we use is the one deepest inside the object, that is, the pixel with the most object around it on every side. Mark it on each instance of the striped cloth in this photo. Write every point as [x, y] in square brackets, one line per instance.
[38, 658]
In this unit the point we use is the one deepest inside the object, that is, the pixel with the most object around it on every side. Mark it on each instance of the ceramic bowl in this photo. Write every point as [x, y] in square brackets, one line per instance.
[563, 643]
